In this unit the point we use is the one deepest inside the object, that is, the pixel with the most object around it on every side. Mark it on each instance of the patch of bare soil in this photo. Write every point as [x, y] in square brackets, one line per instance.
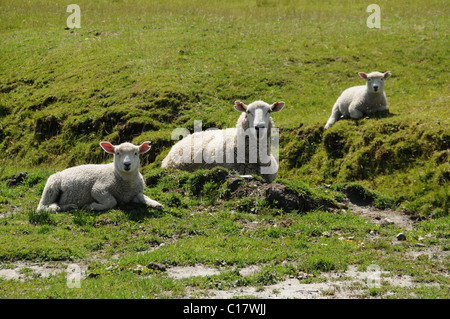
[348, 284]
[275, 193]
[181, 272]
[24, 270]
[384, 217]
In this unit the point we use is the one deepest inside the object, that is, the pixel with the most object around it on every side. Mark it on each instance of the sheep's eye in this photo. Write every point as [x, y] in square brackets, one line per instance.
[135, 154]
[369, 79]
[117, 153]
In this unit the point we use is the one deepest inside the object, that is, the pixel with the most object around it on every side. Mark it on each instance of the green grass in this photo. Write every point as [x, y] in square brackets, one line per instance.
[136, 71]
[225, 235]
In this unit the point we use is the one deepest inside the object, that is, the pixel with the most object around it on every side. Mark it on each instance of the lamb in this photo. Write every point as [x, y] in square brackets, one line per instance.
[245, 149]
[360, 100]
[99, 186]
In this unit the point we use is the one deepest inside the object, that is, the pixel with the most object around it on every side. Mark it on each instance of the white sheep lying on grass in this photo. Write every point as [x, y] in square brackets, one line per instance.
[99, 187]
[357, 101]
[245, 148]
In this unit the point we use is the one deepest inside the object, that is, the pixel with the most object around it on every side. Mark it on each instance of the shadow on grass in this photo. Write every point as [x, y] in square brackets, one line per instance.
[139, 212]
[82, 217]
[382, 114]
[377, 115]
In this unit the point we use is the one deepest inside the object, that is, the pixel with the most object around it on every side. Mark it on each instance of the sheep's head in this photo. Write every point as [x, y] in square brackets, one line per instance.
[375, 80]
[126, 155]
[257, 116]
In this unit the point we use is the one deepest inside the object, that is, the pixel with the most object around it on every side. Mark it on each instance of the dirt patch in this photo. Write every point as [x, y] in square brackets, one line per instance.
[254, 225]
[191, 271]
[383, 216]
[10, 210]
[277, 194]
[24, 270]
[288, 199]
[288, 289]
[180, 272]
[348, 284]
[429, 252]
[17, 179]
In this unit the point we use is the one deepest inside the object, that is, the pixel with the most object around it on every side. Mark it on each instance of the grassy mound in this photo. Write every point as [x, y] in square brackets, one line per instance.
[135, 73]
[406, 161]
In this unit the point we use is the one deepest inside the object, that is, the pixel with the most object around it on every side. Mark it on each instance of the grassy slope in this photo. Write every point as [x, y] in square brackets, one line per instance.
[135, 71]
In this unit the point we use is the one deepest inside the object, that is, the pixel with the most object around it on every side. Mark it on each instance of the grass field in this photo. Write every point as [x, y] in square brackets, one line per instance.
[136, 70]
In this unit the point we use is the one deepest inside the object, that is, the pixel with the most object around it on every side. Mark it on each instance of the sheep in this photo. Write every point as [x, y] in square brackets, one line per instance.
[99, 186]
[245, 148]
[359, 100]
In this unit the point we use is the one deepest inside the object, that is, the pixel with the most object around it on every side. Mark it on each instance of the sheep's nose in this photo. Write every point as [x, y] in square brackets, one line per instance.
[375, 87]
[126, 166]
[258, 129]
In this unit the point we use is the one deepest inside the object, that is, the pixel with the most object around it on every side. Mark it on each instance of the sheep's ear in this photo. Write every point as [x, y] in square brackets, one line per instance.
[144, 147]
[276, 107]
[387, 74]
[241, 107]
[363, 75]
[108, 147]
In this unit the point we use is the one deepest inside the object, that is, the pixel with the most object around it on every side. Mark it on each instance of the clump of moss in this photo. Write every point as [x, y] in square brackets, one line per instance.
[310, 198]
[4, 110]
[361, 195]
[207, 181]
[300, 145]
[391, 154]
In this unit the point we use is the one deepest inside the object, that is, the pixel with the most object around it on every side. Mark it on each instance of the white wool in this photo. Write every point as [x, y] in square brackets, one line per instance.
[99, 187]
[212, 148]
[357, 101]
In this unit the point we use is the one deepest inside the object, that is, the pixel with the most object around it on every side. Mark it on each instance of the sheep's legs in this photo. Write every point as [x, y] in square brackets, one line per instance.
[50, 195]
[335, 115]
[97, 206]
[54, 207]
[142, 199]
[355, 114]
[103, 201]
